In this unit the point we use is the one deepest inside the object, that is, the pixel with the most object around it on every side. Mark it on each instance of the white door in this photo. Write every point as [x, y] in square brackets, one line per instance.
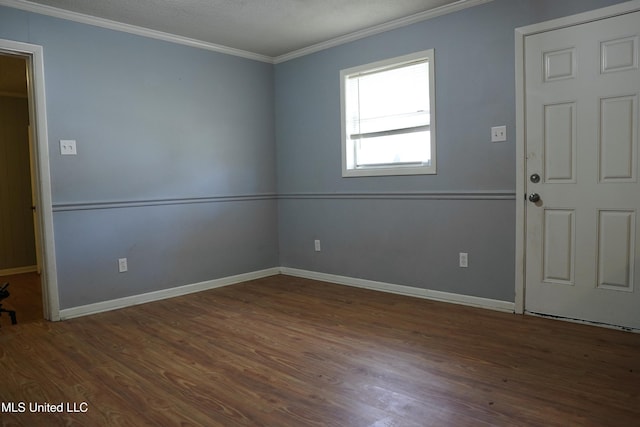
[34, 201]
[581, 142]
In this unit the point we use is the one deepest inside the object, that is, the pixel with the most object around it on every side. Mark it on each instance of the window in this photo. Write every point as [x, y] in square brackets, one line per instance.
[388, 125]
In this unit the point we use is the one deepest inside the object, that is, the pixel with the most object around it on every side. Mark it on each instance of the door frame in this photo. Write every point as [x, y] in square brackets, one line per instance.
[40, 157]
[521, 171]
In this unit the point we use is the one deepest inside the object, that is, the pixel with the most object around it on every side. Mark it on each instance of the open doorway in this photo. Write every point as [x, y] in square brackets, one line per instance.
[37, 275]
[19, 251]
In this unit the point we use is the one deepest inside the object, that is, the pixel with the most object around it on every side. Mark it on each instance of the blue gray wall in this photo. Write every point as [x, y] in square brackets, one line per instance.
[409, 230]
[178, 164]
[176, 159]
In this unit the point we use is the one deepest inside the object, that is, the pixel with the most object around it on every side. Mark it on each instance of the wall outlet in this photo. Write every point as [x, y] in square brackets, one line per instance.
[122, 265]
[464, 260]
[316, 245]
[498, 134]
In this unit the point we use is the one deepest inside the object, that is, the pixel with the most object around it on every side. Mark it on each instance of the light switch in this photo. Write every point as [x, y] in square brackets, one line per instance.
[498, 134]
[68, 147]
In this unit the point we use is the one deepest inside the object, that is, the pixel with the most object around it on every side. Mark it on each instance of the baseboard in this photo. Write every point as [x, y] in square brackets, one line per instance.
[99, 307]
[472, 301]
[18, 270]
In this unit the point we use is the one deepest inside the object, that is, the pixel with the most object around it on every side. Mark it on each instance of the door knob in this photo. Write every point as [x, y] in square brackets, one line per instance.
[534, 197]
[535, 178]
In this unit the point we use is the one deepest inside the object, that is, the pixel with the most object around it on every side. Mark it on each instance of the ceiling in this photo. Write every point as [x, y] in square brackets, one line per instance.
[271, 28]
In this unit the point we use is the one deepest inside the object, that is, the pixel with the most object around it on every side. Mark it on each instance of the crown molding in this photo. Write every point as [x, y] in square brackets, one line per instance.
[159, 35]
[131, 29]
[387, 26]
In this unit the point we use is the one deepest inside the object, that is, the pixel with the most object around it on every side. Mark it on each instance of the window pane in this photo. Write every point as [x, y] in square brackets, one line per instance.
[378, 124]
[404, 148]
[388, 117]
[393, 99]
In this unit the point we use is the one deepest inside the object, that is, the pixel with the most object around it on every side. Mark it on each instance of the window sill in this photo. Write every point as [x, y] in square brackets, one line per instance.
[389, 171]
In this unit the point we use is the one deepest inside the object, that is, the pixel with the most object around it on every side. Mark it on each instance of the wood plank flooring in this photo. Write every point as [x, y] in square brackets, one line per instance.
[25, 298]
[284, 351]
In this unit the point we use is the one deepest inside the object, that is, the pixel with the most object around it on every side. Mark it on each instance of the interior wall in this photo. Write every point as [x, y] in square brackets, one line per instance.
[178, 167]
[176, 159]
[17, 240]
[409, 230]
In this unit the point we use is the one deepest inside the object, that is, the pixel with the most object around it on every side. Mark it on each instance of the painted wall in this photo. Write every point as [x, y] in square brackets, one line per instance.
[176, 159]
[404, 230]
[178, 162]
[17, 239]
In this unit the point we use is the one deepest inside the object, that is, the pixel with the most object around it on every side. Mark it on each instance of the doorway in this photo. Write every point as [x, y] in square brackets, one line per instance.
[578, 125]
[19, 265]
[37, 280]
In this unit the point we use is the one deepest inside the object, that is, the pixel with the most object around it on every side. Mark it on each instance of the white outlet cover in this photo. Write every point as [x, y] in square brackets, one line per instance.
[464, 259]
[68, 147]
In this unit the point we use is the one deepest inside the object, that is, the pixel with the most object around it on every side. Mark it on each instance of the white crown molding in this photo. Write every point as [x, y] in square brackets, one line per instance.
[131, 29]
[159, 35]
[387, 26]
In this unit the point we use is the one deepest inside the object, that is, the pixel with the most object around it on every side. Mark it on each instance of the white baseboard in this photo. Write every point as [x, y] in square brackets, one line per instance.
[99, 307]
[18, 270]
[472, 301]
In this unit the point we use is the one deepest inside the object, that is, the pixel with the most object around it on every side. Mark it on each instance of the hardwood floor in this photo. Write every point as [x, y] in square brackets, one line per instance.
[25, 298]
[284, 351]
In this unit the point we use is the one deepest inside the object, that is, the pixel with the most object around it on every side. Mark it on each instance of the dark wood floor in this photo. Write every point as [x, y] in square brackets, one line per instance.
[284, 351]
[25, 298]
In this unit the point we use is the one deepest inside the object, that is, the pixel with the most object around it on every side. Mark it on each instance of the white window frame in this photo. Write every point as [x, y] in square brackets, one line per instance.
[349, 169]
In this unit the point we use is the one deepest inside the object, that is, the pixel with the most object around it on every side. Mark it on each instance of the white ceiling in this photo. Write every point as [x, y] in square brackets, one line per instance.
[271, 28]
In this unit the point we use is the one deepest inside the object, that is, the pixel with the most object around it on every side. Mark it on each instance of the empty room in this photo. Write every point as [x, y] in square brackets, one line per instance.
[319, 213]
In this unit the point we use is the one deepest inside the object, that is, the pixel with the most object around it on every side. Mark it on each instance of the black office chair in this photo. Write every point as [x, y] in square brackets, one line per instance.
[4, 293]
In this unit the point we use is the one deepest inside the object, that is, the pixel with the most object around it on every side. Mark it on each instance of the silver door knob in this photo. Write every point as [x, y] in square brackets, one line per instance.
[534, 197]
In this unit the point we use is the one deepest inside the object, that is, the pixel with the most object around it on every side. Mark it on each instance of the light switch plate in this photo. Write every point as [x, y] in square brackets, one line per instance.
[498, 134]
[68, 147]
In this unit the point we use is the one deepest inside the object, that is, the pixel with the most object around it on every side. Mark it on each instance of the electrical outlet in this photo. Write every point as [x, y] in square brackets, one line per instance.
[316, 245]
[122, 265]
[464, 260]
[498, 134]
